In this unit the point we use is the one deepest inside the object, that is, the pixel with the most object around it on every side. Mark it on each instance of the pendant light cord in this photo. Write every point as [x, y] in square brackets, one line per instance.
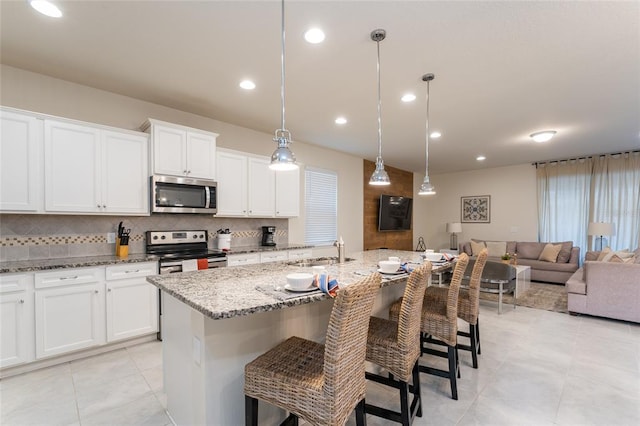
[379, 107]
[282, 68]
[427, 137]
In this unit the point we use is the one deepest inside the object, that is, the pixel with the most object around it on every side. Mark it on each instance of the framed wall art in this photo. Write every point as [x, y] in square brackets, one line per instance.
[475, 209]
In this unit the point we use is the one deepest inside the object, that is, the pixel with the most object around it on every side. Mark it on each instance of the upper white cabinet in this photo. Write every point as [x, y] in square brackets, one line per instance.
[94, 170]
[20, 162]
[232, 183]
[248, 188]
[181, 151]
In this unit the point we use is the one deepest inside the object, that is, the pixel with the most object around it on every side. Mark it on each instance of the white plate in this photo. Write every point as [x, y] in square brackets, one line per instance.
[391, 273]
[295, 290]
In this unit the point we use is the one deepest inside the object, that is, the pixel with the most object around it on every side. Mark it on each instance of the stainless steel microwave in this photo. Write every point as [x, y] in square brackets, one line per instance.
[171, 194]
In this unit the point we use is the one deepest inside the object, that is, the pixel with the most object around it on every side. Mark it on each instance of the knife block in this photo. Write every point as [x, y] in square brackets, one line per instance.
[121, 250]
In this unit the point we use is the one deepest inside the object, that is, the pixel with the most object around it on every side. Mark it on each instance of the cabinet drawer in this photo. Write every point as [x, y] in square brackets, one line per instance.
[243, 259]
[131, 270]
[300, 254]
[15, 282]
[68, 277]
[273, 256]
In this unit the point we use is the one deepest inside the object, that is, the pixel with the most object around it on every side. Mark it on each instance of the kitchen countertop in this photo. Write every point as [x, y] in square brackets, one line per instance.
[258, 249]
[229, 292]
[71, 262]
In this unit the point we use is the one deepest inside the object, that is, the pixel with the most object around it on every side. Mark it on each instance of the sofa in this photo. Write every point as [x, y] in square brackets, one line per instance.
[554, 269]
[606, 289]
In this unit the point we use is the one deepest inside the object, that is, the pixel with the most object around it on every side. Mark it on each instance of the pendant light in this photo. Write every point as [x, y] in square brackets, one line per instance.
[427, 188]
[379, 176]
[282, 158]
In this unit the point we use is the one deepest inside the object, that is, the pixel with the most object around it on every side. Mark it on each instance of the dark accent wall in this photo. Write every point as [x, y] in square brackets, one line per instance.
[401, 184]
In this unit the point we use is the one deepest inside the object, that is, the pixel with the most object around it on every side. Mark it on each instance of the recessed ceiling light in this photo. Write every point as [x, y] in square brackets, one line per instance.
[314, 35]
[436, 135]
[341, 120]
[543, 136]
[46, 8]
[247, 84]
[409, 97]
[481, 158]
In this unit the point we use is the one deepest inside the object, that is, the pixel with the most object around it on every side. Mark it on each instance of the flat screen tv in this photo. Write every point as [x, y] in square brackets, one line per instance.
[395, 213]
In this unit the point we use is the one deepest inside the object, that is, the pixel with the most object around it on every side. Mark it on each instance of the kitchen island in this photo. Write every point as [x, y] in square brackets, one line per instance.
[216, 321]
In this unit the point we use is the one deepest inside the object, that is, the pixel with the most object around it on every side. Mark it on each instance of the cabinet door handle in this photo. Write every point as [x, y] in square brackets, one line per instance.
[104, 206]
[96, 291]
[21, 301]
[109, 290]
[185, 172]
[69, 278]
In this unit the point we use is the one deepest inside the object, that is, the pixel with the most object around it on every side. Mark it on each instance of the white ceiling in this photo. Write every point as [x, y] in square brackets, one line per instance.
[504, 69]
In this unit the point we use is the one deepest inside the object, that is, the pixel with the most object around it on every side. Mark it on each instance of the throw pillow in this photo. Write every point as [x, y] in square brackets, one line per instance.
[496, 248]
[622, 254]
[615, 259]
[477, 247]
[565, 251]
[603, 253]
[550, 252]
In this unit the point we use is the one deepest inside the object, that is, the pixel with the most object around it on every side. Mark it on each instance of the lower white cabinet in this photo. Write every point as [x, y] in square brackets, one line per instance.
[16, 319]
[243, 259]
[69, 310]
[132, 303]
[273, 256]
[299, 254]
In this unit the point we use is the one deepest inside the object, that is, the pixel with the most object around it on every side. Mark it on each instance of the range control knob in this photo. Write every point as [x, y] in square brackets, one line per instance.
[163, 237]
[155, 237]
[195, 236]
[202, 236]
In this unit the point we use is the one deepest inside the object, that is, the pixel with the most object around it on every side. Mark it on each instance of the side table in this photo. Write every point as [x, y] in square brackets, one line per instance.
[523, 279]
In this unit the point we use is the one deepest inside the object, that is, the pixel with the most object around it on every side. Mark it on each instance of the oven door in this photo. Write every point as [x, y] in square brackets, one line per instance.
[170, 194]
[174, 266]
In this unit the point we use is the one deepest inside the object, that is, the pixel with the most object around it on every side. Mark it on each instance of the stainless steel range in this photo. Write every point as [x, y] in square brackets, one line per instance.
[175, 247]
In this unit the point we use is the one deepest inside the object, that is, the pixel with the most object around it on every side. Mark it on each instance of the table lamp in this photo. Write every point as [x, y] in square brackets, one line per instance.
[600, 229]
[453, 228]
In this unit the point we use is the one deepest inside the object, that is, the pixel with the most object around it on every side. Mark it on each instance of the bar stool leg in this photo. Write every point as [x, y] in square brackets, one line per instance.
[452, 371]
[417, 394]
[474, 345]
[478, 335]
[250, 411]
[361, 418]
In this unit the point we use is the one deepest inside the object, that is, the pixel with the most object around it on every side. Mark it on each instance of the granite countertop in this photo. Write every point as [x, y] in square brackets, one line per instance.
[258, 249]
[229, 292]
[71, 262]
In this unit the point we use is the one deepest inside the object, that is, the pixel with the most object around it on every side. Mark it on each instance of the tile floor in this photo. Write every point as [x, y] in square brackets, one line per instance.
[536, 368]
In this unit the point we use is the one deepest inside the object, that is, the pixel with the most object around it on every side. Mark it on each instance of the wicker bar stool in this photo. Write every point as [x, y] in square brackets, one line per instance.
[320, 383]
[468, 303]
[440, 326]
[395, 346]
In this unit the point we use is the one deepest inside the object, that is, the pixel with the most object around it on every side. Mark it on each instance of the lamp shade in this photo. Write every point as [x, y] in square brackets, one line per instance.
[600, 228]
[454, 227]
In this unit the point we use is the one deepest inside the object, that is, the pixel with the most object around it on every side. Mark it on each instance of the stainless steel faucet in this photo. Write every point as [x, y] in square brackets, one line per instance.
[340, 245]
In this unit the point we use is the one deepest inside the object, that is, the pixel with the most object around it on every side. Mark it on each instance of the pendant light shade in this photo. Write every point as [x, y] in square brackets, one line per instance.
[379, 176]
[427, 188]
[282, 158]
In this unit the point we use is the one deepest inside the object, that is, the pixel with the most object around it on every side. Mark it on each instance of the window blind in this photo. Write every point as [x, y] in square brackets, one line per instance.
[321, 206]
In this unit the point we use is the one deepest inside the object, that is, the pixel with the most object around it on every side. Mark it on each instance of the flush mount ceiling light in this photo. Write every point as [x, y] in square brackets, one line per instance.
[46, 8]
[247, 84]
[427, 188]
[314, 36]
[379, 176]
[341, 120]
[282, 158]
[409, 97]
[481, 158]
[435, 135]
[542, 136]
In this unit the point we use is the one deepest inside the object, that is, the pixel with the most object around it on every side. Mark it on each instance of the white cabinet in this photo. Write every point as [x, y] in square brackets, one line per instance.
[132, 303]
[273, 256]
[69, 310]
[232, 184]
[288, 193]
[92, 170]
[20, 162]
[182, 151]
[248, 188]
[299, 254]
[16, 319]
[243, 259]
[261, 188]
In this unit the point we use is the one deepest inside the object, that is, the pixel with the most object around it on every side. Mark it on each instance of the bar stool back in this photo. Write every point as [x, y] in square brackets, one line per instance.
[320, 383]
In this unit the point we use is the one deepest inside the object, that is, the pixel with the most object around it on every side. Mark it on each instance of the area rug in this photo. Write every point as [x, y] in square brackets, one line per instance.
[549, 297]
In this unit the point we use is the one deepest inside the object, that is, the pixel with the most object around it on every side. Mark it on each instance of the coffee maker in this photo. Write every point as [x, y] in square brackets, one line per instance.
[268, 232]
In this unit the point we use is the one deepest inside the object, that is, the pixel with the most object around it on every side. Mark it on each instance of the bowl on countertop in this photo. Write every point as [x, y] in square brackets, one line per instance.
[300, 280]
[389, 266]
[433, 257]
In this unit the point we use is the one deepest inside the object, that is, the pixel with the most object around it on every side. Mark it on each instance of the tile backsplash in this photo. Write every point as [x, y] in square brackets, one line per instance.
[25, 237]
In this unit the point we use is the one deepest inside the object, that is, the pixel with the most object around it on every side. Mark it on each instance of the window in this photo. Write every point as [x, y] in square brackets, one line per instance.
[321, 206]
